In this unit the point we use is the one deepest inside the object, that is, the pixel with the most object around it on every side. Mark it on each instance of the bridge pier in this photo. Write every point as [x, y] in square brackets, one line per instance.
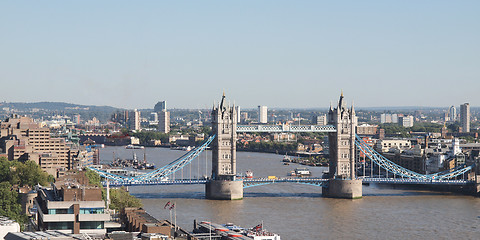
[340, 188]
[224, 190]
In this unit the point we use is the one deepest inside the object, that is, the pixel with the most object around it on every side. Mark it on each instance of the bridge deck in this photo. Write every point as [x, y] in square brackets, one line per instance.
[313, 181]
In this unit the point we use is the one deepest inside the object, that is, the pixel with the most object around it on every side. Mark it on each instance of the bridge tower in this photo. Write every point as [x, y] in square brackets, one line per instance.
[223, 184]
[343, 182]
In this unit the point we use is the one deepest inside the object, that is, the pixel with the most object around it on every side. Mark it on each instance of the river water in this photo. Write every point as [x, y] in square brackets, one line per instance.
[296, 211]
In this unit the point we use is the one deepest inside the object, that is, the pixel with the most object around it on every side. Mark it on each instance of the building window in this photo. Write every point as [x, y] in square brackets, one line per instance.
[60, 225]
[91, 210]
[91, 225]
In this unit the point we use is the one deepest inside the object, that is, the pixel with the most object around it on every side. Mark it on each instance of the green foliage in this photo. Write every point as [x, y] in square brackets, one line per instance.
[146, 136]
[269, 146]
[22, 173]
[394, 129]
[120, 199]
[454, 127]
[9, 201]
[93, 178]
[426, 127]
[469, 139]
[30, 174]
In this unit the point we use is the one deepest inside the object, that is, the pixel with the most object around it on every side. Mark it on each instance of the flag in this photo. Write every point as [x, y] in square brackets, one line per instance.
[173, 206]
[167, 205]
[258, 227]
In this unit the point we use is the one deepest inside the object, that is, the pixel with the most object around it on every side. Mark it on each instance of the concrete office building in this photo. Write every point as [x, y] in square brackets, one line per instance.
[465, 117]
[71, 206]
[22, 139]
[262, 114]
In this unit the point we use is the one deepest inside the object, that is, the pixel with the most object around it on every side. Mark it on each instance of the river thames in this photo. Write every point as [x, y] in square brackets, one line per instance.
[296, 211]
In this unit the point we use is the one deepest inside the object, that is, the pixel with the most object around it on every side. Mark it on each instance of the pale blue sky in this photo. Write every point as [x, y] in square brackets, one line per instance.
[298, 54]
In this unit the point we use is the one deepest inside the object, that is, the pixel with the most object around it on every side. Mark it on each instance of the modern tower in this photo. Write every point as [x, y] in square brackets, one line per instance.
[163, 116]
[223, 183]
[465, 117]
[160, 106]
[262, 114]
[452, 113]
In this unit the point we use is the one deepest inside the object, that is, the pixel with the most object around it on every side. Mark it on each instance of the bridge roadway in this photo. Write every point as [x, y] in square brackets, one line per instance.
[285, 128]
[252, 182]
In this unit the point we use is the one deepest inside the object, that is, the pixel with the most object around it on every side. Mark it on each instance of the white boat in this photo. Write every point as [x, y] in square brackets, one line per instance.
[302, 172]
[249, 174]
[130, 146]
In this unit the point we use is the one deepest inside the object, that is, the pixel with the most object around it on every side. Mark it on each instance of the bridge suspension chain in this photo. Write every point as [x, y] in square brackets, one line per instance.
[396, 169]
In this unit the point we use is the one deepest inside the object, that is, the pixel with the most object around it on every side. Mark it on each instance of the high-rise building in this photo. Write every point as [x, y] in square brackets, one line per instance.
[465, 117]
[154, 117]
[136, 125]
[262, 114]
[388, 118]
[238, 114]
[319, 119]
[406, 121]
[164, 122]
[452, 113]
[163, 117]
[160, 106]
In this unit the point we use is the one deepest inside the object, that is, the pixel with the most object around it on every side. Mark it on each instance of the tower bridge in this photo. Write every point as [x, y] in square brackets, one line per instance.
[340, 182]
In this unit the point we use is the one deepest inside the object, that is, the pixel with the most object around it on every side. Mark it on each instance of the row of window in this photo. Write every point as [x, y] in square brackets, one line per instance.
[69, 225]
[82, 211]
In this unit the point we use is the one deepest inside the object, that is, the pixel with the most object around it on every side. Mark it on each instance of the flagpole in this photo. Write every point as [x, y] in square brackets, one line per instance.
[171, 222]
[175, 211]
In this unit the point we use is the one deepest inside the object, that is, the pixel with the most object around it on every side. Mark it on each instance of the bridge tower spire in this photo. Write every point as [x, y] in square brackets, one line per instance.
[342, 175]
[223, 184]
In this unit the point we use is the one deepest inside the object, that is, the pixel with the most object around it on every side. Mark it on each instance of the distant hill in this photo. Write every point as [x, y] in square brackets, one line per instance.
[47, 109]
[56, 106]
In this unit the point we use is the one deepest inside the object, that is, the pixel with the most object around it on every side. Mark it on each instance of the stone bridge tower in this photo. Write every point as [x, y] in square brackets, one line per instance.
[223, 183]
[343, 183]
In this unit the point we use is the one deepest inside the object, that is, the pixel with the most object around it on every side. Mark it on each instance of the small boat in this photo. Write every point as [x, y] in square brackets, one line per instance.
[130, 146]
[286, 163]
[286, 158]
[292, 173]
[302, 172]
[249, 174]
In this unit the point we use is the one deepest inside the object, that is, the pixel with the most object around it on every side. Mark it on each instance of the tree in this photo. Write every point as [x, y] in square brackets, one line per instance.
[120, 199]
[93, 178]
[30, 174]
[23, 174]
[9, 201]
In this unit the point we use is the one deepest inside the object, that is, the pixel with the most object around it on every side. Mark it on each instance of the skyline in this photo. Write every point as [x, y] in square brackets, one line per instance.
[279, 54]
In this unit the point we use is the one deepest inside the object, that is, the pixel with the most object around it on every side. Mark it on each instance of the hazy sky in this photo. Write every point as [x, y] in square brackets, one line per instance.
[299, 54]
